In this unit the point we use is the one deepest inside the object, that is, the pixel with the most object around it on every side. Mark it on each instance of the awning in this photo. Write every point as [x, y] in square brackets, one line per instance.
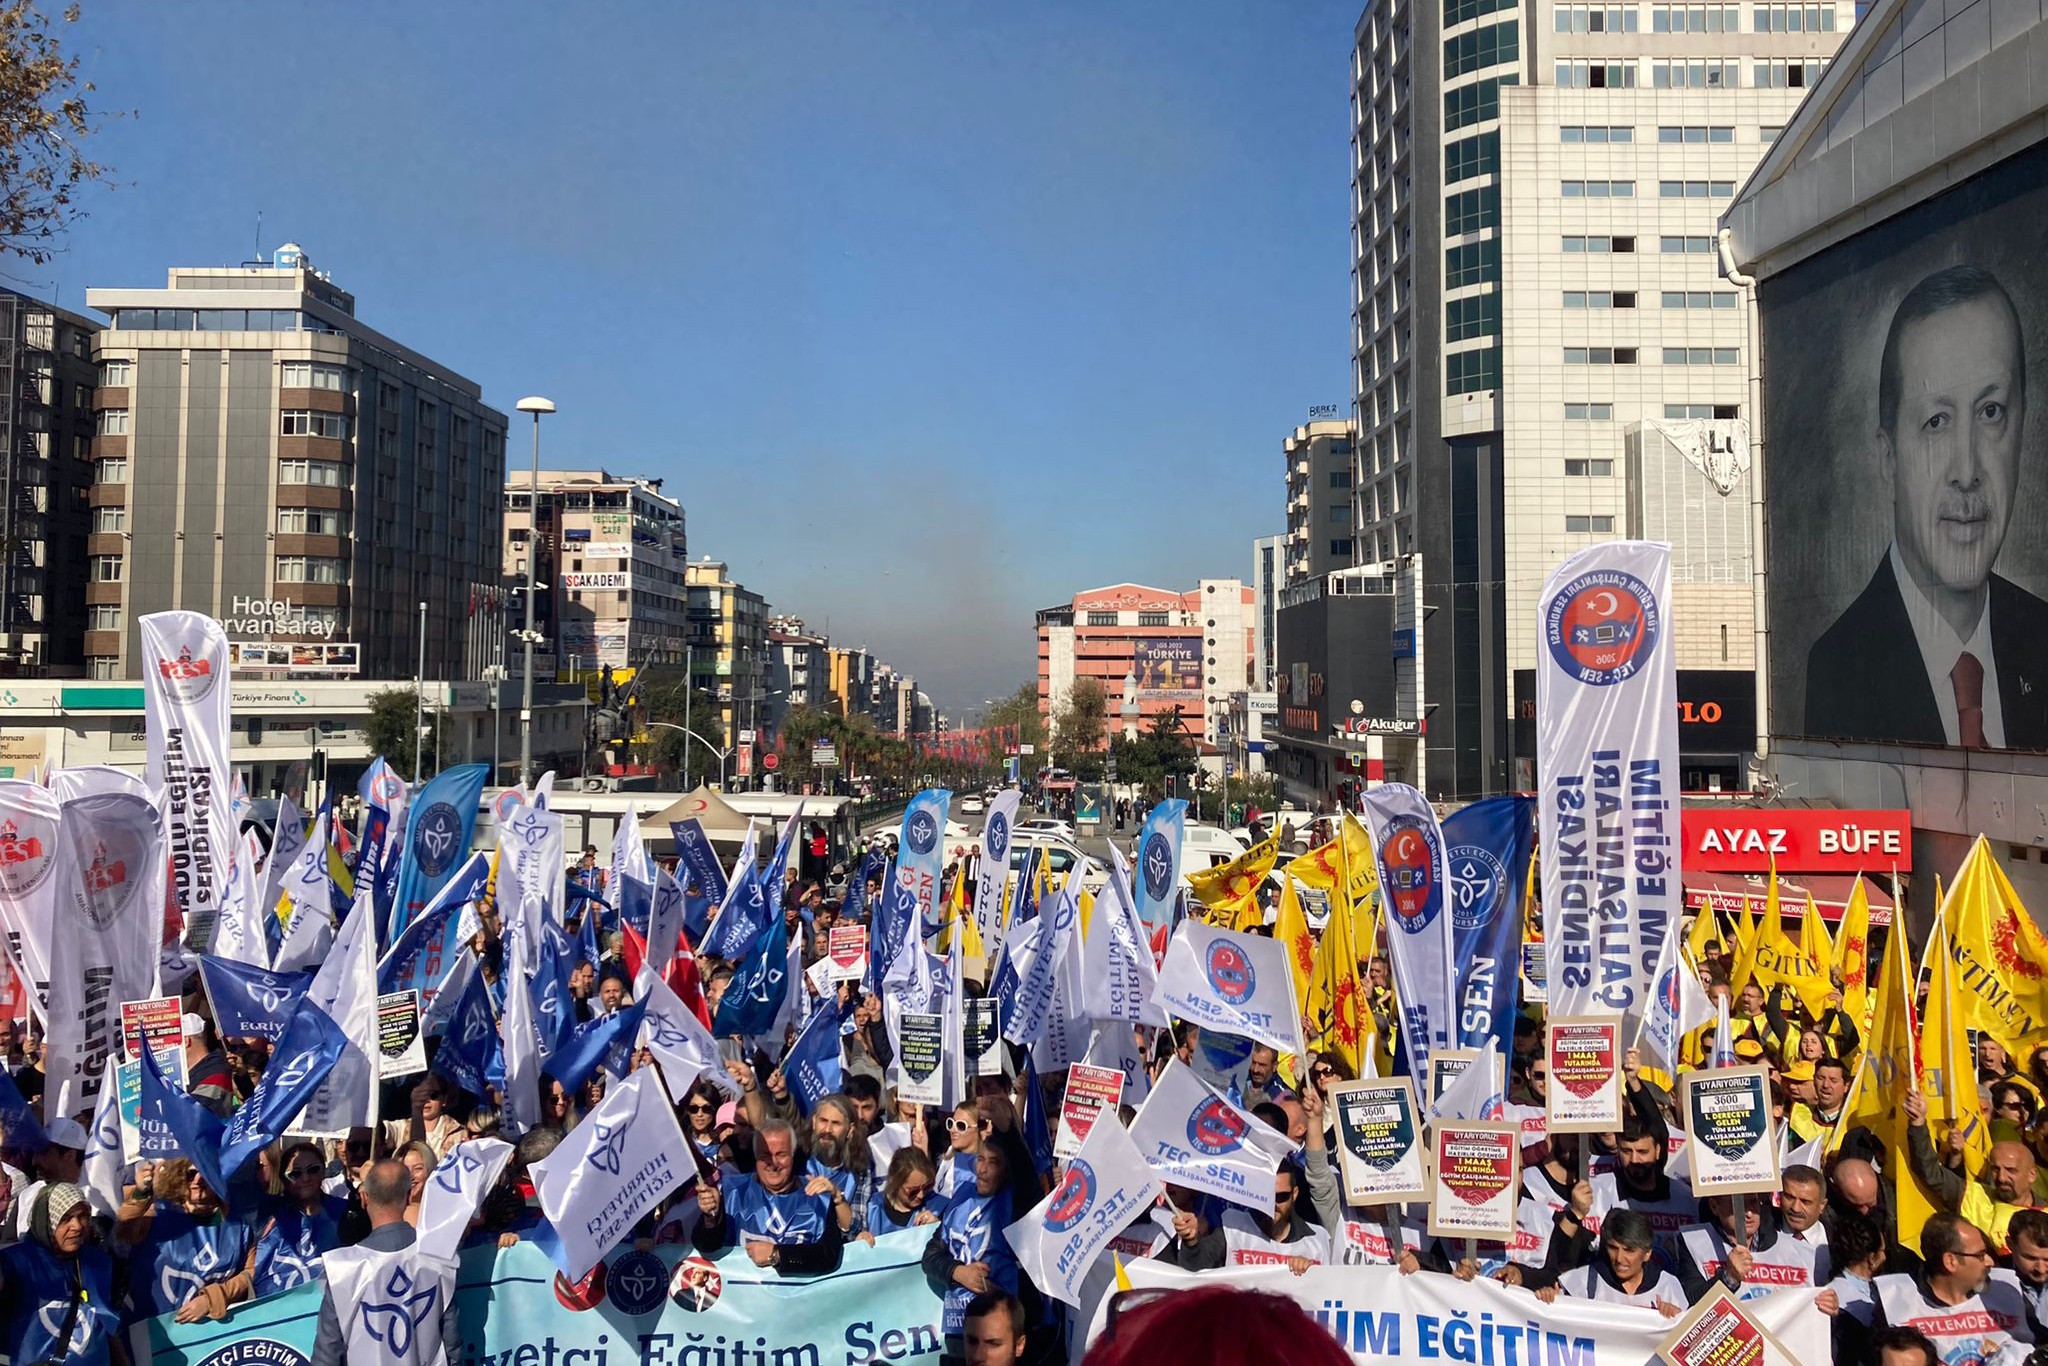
[1731, 894]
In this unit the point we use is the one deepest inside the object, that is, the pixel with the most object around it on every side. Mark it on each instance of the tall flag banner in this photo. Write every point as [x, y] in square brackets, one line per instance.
[1291, 928]
[531, 853]
[552, 1013]
[1158, 870]
[921, 853]
[1677, 1006]
[1410, 847]
[1890, 1068]
[1487, 847]
[249, 1002]
[665, 916]
[109, 923]
[1231, 983]
[1948, 1064]
[28, 891]
[438, 829]
[105, 1159]
[522, 1056]
[1102, 1190]
[1336, 1015]
[455, 1191]
[307, 1051]
[345, 986]
[1852, 955]
[1117, 973]
[1191, 1135]
[992, 869]
[759, 986]
[1039, 980]
[383, 794]
[775, 881]
[2001, 956]
[744, 914]
[1607, 756]
[632, 878]
[287, 841]
[693, 846]
[419, 957]
[304, 882]
[894, 946]
[621, 1162]
[187, 703]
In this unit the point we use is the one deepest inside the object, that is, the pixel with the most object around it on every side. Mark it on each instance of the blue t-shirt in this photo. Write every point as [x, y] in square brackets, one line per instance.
[972, 1231]
[179, 1256]
[786, 1220]
[37, 1298]
[288, 1252]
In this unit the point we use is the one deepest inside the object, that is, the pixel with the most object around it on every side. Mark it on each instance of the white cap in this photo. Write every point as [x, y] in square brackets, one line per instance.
[67, 1132]
[194, 1026]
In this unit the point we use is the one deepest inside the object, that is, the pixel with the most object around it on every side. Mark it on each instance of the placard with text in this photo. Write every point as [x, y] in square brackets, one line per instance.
[1478, 1166]
[1446, 1065]
[1584, 1095]
[1732, 1142]
[1379, 1141]
[1090, 1091]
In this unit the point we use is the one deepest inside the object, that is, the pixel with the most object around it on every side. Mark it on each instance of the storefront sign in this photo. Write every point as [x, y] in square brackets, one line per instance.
[276, 617]
[615, 579]
[1748, 840]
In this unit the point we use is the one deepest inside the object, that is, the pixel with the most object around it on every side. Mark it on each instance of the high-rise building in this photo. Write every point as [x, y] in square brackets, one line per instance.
[1540, 330]
[1267, 553]
[1164, 649]
[47, 379]
[851, 681]
[612, 553]
[799, 669]
[1320, 514]
[728, 642]
[265, 457]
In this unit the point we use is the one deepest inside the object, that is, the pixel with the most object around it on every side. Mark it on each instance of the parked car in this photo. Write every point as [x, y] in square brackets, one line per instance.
[972, 804]
[1046, 825]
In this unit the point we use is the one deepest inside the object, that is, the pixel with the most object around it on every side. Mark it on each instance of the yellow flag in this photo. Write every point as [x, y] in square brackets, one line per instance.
[1291, 929]
[1948, 1068]
[1748, 931]
[2001, 957]
[1813, 938]
[1777, 961]
[338, 872]
[1335, 1015]
[1887, 1073]
[1345, 868]
[1852, 955]
[1706, 932]
[1232, 889]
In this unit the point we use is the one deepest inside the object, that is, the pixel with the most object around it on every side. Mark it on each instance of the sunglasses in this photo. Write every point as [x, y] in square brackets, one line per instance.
[698, 1107]
[961, 1126]
[915, 1192]
[303, 1173]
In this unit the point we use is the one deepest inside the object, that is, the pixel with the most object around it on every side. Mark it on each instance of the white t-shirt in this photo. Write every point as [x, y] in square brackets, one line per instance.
[1249, 1247]
[1585, 1283]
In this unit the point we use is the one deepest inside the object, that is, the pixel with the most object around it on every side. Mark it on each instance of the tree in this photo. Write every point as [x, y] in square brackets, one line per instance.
[1019, 711]
[665, 696]
[389, 730]
[1078, 725]
[44, 122]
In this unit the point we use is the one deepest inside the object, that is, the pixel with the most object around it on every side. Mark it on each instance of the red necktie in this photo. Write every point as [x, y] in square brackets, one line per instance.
[1967, 678]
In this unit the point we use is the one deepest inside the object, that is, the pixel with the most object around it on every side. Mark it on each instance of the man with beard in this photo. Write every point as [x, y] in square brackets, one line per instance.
[2007, 1186]
[839, 1152]
[1639, 1182]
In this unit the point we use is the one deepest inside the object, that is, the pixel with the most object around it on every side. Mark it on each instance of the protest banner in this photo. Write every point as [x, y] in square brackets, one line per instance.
[668, 1308]
[1379, 1143]
[160, 1019]
[1719, 1331]
[1382, 1317]
[1533, 992]
[277, 1330]
[401, 1043]
[1446, 1065]
[1090, 1091]
[982, 1039]
[921, 1057]
[611, 1170]
[188, 729]
[1733, 1146]
[847, 948]
[1584, 1096]
[1478, 1165]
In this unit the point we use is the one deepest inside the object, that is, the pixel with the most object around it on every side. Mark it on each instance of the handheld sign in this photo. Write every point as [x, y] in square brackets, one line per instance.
[1718, 1331]
[1446, 1065]
[1090, 1091]
[847, 947]
[1732, 1145]
[1478, 1179]
[982, 1040]
[1379, 1143]
[1584, 1096]
[1535, 991]
[920, 1058]
[403, 1048]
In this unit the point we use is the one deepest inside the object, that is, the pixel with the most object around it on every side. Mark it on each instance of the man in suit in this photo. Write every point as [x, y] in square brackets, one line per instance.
[1951, 401]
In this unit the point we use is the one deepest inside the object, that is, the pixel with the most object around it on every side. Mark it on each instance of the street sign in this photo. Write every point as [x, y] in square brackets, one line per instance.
[1027, 749]
[824, 754]
[746, 737]
[771, 761]
[743, 762]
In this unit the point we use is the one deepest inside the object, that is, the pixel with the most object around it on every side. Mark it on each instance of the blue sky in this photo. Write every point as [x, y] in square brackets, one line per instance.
[930, 313]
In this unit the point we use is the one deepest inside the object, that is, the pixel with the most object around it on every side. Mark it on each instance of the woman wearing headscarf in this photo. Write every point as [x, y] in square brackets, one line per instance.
[190, 1258]
[57, 1286]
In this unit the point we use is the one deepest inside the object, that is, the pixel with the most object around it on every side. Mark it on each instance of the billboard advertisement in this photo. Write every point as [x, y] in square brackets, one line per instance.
[1168, 669]
[1907, 498]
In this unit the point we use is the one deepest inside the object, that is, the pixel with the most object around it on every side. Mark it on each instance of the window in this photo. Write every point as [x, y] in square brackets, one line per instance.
[1700, 298]
[1599, 355]
[112, 470]
[1341, 549]
[1792, 75]
[1472, 264]
[110, 519]
[1596, 18]
[1475, 317]
[303, 374]
[1470, 371]
[1587, 298]
[1340, 515]
[310, 569]
[1695, 19]
[106, 568]
[1793, 18]
[1696, 132]
[117, 374]
[1701, 412]
[1589, 526]
[1595, 132]
[111, 422]
[1696, 75]
[1589, 412]
[1472, 210]
[1339, 479]
[312, 522]
[301, 422]
[1597, 75]
[1102, 618]
[326, 473]
[1489, 46]
[1695, 189]
[1701, 355]
[1475, 156]
[1474, 103]
[1589, 469]
[1458, 11]
[1155, 619]
[103, 616]
[103, 668]
[1599, 245]
[1769, 133]
[1677, 246]
[1598, 189]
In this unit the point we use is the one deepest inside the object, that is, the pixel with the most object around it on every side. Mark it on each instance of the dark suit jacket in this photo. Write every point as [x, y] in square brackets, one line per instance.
[1865, 679]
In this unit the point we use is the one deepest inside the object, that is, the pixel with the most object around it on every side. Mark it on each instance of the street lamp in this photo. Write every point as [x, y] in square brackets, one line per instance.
[529, 635]
[721, 753]
[419, 692]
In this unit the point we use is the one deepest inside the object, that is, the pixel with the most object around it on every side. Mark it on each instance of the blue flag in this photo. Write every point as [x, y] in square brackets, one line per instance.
[812, 1065]
[18, 1123]
[856, 897]
[249, 1002]
[470, 1050]
[1157, 874]
[195, 1128]
[746, 916]
[921, 853]
[775, 882]
[379, 789]
[419, 957]
[636, 902]
[892, 935]
[693, 846]
[1026, 905]
[696, 915]
[552, 1011]
[589, 949]
[1037, 1134]
[597, 1041]
[438, 828]
[1486, 851]
[311, 1045]
[753, 998]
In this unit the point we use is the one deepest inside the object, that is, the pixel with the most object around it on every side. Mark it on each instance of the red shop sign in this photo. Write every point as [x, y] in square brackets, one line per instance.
[1746, 840]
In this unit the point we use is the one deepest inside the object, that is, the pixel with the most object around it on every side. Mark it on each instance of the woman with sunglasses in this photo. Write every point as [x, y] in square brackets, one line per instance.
[304, 1222]
[57, 1285]
[964, 1143]
[188, 1257]
[700, 1120]
[905, 1197]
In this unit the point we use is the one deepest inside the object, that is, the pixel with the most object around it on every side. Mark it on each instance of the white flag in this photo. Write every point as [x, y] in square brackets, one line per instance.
[453, 983]
[1117, 976]
[307, 939]
[1677, 1006]
[238, 935]
[288, 840]
[458, 1185]
[104, 1157]
[28, 887]
[620, 1162]
[992, 870]
[682, 1047]
[1193, 1136]
[304, 879]
[1039, 975]
[1231, 983]
[188, 701]
[346, 988]
[522, 1055]
[530, 854]
[1104, 1188]
[1115, 1045]
[1476, 1093]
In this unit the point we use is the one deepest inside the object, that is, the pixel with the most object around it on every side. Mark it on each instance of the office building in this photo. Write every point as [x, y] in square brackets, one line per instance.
[851, 680]
[1319, 507]
[1162, 649]
[1538, 325]
[267, 458]
[1267, 553]
[612, 551]
[799, 669]
[47, 377]
[728, 648]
